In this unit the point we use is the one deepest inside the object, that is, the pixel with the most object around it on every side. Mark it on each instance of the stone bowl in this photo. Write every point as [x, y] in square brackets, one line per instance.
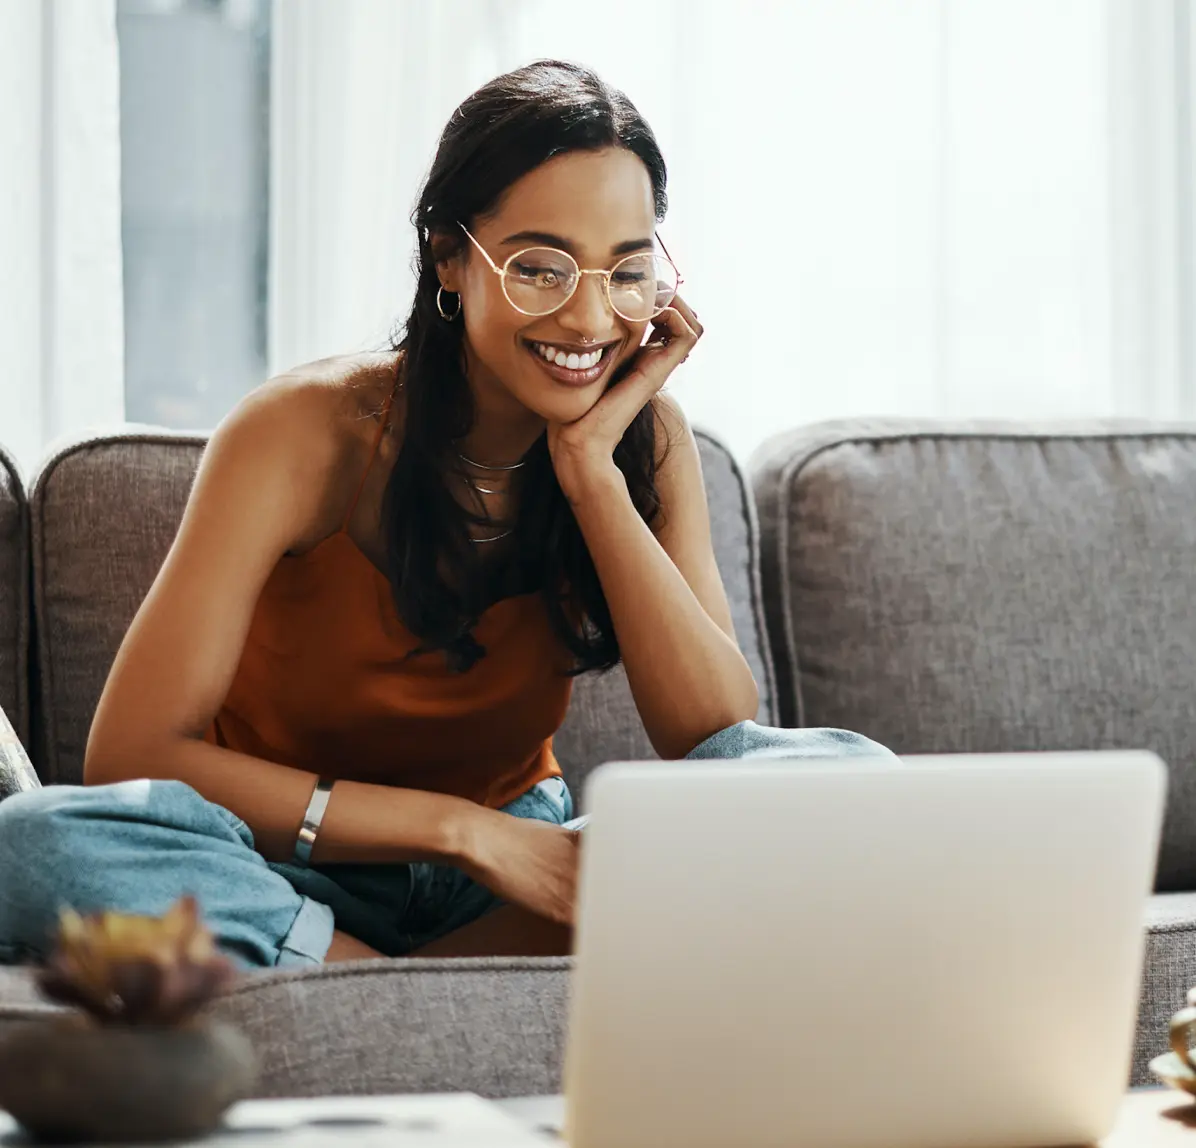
[70, 1079]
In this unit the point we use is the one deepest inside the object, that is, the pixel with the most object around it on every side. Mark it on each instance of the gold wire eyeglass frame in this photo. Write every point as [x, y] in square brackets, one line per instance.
[606, 277]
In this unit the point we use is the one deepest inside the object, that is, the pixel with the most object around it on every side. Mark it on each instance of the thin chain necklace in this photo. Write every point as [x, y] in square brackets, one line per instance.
[486, 466]
[489, 490]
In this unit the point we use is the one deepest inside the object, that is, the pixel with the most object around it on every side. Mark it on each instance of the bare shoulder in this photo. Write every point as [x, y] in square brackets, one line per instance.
[275, 471]
[307, 432]
[333, 398]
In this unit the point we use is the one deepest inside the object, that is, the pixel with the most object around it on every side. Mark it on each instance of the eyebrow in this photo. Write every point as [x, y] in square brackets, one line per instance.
[550, 240]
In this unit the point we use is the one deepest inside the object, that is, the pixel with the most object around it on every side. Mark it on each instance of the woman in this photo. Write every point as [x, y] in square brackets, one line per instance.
[332, 717]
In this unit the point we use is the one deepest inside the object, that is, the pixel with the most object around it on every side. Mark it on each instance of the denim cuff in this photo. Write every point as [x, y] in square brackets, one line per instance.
[309, 938]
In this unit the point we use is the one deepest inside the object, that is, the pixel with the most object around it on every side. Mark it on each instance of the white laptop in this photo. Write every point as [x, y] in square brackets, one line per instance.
[850, 954]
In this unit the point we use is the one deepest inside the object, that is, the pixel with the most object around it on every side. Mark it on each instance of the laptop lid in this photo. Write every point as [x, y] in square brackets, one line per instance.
[848, 953]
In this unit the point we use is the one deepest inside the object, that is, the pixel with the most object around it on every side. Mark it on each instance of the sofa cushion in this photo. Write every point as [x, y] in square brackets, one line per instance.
[987, 587]
[489, 1025]
[497, 1025]
[14, 597]
[105, 511]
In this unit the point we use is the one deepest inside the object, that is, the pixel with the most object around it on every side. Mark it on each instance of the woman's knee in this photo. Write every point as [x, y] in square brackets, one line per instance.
[41, 857]
[52, 838]
[123, 811]
[31, 825]
[133, 846]
[747, 739]
[38, 823]
[845, 743]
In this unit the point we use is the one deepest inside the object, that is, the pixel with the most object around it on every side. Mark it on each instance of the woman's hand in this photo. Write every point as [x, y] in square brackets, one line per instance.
[525, 862]
[585, 447]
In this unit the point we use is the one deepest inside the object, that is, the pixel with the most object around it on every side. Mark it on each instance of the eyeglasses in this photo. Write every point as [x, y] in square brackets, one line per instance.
[540, 280]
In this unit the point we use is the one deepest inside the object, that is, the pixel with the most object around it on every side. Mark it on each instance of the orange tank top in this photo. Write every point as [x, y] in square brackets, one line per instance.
[324, 683]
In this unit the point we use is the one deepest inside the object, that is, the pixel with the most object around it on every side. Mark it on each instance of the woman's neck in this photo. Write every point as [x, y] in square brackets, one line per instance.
[503, 429]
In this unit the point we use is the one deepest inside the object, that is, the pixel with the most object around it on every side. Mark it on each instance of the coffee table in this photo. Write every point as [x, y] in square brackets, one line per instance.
[1154, 1118]
[1149, 1118]
[454, 1120]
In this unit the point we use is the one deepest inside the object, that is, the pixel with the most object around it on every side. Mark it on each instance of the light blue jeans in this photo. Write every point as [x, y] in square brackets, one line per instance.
[136, 846]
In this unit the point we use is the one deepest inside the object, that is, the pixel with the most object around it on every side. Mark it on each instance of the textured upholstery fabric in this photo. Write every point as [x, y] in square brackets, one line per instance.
[14, 597]
[1169, 971]
[493, 1026]
[498, 1026]
[19, 1000]
[104, 514]
[981, 588]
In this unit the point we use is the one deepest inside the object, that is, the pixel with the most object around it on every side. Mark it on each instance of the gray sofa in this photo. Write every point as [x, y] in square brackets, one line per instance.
[937, 587]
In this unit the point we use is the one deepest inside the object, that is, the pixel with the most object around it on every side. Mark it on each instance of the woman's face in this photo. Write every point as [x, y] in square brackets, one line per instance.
[598, 207]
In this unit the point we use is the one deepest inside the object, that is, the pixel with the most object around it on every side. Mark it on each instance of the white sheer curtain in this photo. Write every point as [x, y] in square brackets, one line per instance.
[933, 208]
[61, 309]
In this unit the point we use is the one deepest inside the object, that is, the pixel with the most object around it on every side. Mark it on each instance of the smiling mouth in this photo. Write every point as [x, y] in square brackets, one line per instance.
[577, 368]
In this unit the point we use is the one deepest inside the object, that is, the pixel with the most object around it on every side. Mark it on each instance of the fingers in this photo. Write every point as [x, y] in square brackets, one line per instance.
[672, 324]
[670, 343]
[675, 333]
[689, 315]
[676, 326]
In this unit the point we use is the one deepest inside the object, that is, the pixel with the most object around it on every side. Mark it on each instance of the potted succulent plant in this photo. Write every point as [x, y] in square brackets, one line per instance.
[136, 1062]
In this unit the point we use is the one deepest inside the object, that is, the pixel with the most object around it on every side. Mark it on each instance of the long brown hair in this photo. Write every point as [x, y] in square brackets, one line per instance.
[500, 133]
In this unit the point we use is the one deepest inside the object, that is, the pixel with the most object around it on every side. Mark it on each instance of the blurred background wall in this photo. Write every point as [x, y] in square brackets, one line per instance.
[939, 207]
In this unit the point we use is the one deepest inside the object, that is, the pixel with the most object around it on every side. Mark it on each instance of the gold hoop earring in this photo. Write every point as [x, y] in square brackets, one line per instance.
[440, 306]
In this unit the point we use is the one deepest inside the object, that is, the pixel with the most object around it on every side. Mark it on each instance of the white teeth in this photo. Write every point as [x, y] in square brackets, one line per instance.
[570, 360]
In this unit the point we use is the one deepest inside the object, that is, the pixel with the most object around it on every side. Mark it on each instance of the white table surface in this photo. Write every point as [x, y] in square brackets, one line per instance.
[455, 1120]
[543, 1114]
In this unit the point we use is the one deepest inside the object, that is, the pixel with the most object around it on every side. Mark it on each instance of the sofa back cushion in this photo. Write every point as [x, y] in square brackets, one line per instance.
[14, 597]
[106, 510]
[979, 588]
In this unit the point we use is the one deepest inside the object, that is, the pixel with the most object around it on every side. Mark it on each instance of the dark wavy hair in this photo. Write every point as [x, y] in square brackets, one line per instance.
[500, 133]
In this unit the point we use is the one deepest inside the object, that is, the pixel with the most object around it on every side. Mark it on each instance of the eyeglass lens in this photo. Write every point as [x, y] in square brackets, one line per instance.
[541, 280]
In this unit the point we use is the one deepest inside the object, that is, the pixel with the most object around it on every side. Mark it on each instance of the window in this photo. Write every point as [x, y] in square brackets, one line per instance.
[195, 81]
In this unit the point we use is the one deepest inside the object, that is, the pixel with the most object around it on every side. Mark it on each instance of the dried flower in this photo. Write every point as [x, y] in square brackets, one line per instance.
[127, 970]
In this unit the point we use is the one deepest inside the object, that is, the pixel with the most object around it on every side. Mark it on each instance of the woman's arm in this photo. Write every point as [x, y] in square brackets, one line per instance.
[666, 597]
[268, 478]
[363, 822]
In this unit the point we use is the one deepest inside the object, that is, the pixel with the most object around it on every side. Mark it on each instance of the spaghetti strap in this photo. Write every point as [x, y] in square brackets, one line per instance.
[370, 462]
